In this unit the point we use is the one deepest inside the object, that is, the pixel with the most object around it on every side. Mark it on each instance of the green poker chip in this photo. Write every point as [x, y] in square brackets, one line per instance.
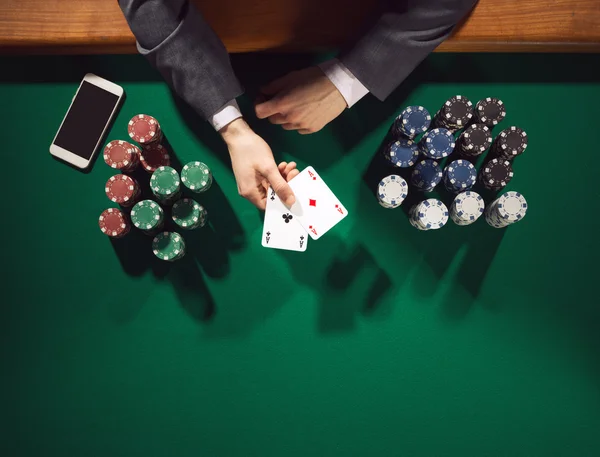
[196, 176]
[165, 183]
[189, 214]
[147, 215]
[168, 246]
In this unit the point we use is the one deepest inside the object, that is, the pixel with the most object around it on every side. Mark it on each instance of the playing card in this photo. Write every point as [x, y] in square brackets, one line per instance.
[281, 229]
[316, 207]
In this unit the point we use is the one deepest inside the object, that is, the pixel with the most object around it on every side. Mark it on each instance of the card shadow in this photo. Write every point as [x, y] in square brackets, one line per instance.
[348, 280]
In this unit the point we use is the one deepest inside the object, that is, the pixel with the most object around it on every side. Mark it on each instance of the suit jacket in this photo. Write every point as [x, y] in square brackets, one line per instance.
[176, 39]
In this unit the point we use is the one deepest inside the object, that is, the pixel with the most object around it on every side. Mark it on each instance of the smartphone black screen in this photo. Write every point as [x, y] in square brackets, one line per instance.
[85, 121]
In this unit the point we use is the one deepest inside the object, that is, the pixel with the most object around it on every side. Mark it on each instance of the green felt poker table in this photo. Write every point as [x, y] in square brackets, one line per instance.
[379, 340]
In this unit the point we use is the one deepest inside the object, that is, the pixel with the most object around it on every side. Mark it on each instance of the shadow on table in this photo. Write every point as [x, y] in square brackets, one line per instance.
[48, 69]
[209, 246]
[257, 69]
[458, 257]
[483, 243]
[192, 292]
[136, 257]
[347, 279]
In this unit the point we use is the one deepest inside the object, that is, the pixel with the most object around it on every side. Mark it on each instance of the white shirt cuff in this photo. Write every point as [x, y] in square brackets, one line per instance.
[349, 86]
[228, 113]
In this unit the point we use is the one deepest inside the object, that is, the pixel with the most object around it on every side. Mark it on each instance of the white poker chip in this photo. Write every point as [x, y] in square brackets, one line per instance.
[432, 214]
[511, 206]
[392, 190]
[467, 207]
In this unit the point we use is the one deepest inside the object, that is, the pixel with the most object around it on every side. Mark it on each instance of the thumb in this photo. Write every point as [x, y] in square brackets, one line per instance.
[280, 186]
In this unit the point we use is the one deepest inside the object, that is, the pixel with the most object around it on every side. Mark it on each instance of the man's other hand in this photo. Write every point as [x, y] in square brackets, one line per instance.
[304, 100]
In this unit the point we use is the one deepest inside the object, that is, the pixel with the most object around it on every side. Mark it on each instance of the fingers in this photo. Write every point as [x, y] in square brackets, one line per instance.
[258, 199]
[278, 119]
[280, 186]
[267, 109]
[289, 167]
[292, 174]
[288, 170]
[290, 126]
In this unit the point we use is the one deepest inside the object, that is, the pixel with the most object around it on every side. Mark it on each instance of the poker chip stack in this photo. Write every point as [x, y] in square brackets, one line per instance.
[510, 143]
[455, 114]
[466, 208]
[122, 155]
[490, 111]
[426, 175]
[123, 190]
[459, 175]
[413, 121]
[430, 214]
[114, 223]
[496, 174]
[144, 129]
[402, 153]
[168, 246]
[437, 143]
[391, 191]
[474, 141]
[196, 176]
[166, 185]
[154, 156]
[510, 208]
[189, 214]
[147, 216]
[475, 124]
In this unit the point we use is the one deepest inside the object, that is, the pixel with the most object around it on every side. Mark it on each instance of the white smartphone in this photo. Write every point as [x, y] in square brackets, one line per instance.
[92, 109]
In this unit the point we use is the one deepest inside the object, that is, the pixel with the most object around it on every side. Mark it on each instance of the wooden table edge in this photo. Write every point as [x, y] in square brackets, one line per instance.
[461, 46]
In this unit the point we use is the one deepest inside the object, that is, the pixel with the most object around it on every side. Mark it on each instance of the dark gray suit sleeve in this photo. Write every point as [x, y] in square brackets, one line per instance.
[176, 39]
[401, 38]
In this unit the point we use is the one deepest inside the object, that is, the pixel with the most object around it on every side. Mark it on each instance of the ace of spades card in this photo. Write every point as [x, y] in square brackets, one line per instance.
[281, 229]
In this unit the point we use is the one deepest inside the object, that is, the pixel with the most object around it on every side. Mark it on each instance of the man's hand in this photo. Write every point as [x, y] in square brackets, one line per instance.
[304, 100]
[254, 166]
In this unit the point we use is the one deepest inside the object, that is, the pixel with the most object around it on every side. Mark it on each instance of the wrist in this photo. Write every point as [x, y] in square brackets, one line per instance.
[234, 130]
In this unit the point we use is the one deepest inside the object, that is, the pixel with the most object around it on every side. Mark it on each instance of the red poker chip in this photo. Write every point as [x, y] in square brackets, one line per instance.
[144, 129]
[114, 223]
[122, 189]
[154, 156]
[121, 155]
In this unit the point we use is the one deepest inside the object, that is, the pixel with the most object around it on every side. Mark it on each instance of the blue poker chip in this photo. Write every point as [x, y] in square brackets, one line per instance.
[403, 153]
[426, 175]
[437, 143]
[460, 175]
[414, 120]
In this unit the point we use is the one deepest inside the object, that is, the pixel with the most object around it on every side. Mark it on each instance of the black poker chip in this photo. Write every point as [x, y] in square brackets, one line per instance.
[457, 111]
[511, 142]
[396, 129]
[490, 111]
[475, 140]
[496, 173]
